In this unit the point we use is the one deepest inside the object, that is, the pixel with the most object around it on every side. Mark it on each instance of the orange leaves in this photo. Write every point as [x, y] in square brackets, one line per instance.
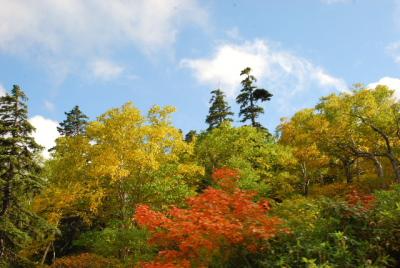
[84, 260]
[213, 224]
[226, 178]
[151, 219]
[364, 201]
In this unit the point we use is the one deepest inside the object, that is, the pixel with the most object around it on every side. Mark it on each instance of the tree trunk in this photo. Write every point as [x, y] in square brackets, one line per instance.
[347, 170]
[378, 167]
[6, 198]
[305, 178]
[45, 254]
[395, 165]
[306, 188]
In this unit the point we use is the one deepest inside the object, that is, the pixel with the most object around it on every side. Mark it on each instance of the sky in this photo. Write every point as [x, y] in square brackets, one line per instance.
[100, 54]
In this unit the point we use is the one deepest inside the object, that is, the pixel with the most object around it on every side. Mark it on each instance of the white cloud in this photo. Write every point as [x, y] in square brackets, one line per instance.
[281, 70]
[106, 70]
[76, 26]
[2, 90]
[392, 83]
[393, 49]
[46, 132]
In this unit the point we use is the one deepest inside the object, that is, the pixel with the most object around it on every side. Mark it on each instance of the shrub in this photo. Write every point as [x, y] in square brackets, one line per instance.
[216, 227]
[85, 260]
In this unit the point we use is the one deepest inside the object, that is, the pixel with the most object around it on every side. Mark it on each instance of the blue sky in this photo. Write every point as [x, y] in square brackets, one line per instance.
[99, 54]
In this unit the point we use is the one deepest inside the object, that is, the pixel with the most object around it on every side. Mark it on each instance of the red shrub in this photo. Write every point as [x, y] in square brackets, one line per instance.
[213, 224]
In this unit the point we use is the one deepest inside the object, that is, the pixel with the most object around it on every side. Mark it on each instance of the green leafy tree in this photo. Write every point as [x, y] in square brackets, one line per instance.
[219, 110]
[18, 178]
[75, 124]
[248, 98]
[261, 161]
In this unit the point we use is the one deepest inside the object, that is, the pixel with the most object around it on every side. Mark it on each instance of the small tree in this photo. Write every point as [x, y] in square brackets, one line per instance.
[75, 124]
[249, 96]
[18, 177]
[219, 110]
[217, 226]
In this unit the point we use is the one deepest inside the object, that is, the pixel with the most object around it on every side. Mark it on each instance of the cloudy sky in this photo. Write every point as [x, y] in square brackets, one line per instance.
[99, 54]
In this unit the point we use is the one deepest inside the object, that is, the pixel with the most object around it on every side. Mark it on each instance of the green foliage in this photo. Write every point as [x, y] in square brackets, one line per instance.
[335, 233]
[261, 161]
[130, 245]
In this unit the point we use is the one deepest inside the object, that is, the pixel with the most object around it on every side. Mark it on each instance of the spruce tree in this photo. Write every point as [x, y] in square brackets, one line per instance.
[219, 110]
[248, 98]
[75, 124]
[19, 180]
[190, 136]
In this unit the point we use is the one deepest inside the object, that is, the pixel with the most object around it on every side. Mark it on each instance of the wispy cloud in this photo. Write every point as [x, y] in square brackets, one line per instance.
[331, 2]
[282, 70]
[49, 106]
[105, 69]
[393, 49]
[86, 26]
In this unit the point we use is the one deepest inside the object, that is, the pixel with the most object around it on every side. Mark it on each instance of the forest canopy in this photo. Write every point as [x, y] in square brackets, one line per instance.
[129, 189]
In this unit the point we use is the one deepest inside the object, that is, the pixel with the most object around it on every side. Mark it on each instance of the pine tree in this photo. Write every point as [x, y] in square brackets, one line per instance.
[249, 96]
[190, 136]
[219, 110]
[19, 179]
[75, 124]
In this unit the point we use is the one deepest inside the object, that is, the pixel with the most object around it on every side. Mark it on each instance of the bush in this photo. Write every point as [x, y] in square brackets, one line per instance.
[218, 227]
[329, 233]
[85, 260]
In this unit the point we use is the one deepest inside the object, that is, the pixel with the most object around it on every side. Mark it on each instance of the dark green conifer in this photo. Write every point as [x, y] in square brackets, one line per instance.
[190, 136]
[248, 98]
[219, 110]
[19, 180]
[75, 124]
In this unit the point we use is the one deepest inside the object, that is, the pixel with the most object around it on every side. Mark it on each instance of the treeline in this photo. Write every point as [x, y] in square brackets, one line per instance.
[129, 189]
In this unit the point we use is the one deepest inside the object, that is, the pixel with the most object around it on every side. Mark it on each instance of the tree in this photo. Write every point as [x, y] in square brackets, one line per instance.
[262, 162]
[75, 124]
[219, 110]
[299, 132]
[124, 158]
[249, 96]
[19, 179]
[190, 136]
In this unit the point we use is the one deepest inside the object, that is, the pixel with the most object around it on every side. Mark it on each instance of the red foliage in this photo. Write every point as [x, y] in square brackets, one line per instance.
[85, 260]
[226, 178]
[364, 201]
[213, 224]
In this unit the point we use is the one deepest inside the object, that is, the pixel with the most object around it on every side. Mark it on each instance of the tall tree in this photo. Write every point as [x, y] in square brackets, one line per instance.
[18, 177]
[219, 110]
[248, 98]
[75, 124]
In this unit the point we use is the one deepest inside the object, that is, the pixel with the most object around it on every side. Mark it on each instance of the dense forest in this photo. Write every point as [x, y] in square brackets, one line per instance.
[131, 190]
